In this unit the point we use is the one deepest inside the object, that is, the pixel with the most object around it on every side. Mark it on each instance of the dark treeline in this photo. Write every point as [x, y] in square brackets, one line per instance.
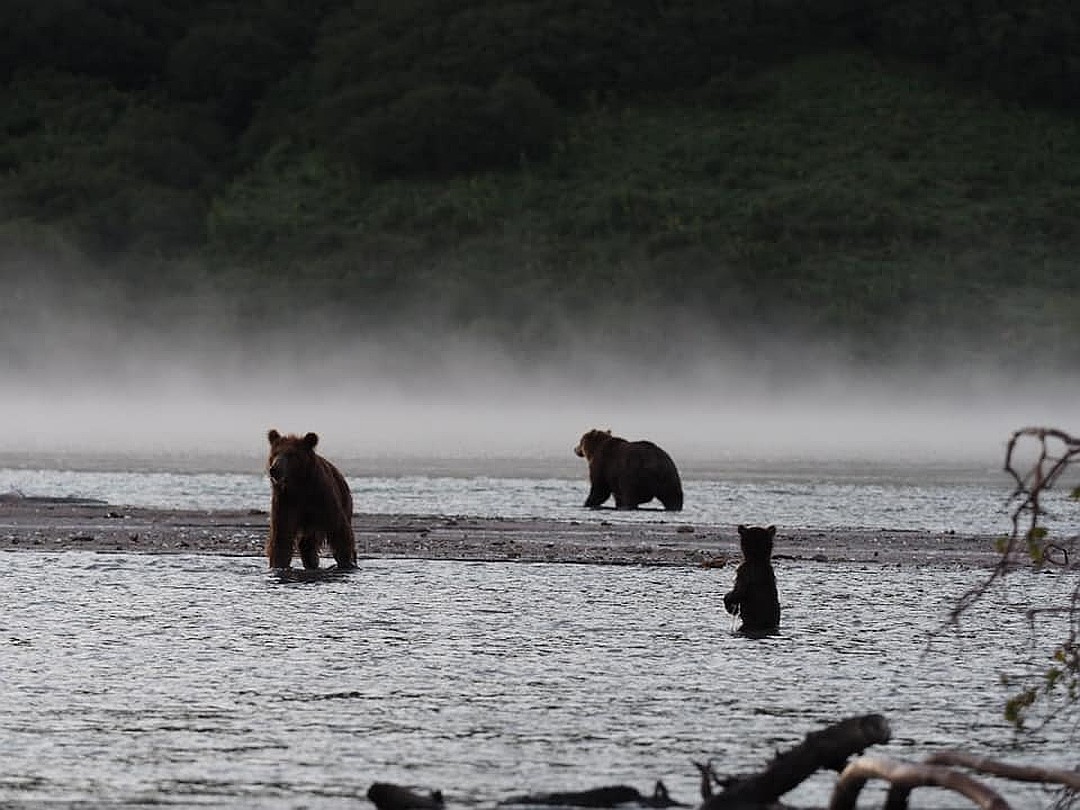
[181, 128]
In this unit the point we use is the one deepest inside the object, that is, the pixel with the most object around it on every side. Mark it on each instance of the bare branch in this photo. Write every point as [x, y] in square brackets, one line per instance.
[905, 776]
[1056, 451]
[1019, 773]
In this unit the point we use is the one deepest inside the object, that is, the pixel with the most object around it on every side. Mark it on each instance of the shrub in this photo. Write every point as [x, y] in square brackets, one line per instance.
[446, 129]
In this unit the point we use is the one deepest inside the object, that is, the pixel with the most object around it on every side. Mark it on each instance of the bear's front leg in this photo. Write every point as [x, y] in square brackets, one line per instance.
[308, 543]
[279, 543]
[597, 495]
[279, 550]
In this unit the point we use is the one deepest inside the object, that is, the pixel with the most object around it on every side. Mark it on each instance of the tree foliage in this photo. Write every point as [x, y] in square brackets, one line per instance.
[289, 131]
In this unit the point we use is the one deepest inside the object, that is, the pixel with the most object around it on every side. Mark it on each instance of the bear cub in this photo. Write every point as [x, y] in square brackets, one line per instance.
[754, 597]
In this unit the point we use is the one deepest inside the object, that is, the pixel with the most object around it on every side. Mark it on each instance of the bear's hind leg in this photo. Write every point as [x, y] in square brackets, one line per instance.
[343, 544]
[672, 501]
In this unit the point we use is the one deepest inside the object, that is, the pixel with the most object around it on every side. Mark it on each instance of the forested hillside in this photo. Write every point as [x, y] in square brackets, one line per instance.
[906, 173]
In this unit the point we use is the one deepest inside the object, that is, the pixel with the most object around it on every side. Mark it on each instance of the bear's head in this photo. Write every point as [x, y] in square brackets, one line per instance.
[290, 458]
[590, 442]
[756, 542]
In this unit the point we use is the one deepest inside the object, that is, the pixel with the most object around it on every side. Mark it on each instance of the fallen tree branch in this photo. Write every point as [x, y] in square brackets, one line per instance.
[601, 797]
[1018, 773]
[903, 777]
[829, 748]
[388, 796]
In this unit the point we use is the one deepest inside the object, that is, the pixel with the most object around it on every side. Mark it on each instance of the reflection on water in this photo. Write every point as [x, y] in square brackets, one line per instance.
[202, 680]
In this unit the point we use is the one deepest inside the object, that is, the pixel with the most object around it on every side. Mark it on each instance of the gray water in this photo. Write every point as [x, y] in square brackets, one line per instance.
[150, 680]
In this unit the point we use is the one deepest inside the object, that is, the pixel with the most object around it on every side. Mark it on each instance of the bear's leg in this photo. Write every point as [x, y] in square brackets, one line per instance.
[598, 493]
[672, 501]
[309, 548]
[626, 498]
[279, 553]
[279, 543]
[343, 545]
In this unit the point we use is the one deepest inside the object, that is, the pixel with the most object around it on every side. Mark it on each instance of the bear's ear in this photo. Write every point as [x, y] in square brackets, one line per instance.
[311, 439]
[742, 530]
[273, 436]
[771, 532]
[606, 432]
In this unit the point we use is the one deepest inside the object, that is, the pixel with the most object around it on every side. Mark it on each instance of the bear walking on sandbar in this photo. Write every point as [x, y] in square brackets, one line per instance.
[309, 502]
[634, 472]
[754, 597]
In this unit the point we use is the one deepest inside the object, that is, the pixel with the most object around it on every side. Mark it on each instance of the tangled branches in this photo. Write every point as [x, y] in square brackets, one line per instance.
[1056, 451]
[1035, 474]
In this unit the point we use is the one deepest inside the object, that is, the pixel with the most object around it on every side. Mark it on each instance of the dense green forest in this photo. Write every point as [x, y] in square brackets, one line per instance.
[905, 173]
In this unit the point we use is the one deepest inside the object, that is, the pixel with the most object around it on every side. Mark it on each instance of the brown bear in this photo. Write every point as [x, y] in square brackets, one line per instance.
[310, 502]
[754, 597]
[634, 472]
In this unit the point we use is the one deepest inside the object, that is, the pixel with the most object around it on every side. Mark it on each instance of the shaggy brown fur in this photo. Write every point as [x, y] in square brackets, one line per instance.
[754, 596]
[634, 472]
[310, 502]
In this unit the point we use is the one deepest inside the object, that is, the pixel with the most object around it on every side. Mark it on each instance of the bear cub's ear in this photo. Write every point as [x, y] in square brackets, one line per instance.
[273, 435]
[311, 439]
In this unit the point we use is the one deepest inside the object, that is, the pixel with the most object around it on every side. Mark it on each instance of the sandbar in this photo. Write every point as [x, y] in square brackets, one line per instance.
[56, 525]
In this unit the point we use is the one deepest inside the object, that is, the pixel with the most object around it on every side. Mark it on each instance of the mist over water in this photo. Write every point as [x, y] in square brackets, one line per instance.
[84, 379]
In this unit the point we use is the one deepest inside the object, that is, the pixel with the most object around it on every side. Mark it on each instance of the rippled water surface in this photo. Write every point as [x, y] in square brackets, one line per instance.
[202, 680]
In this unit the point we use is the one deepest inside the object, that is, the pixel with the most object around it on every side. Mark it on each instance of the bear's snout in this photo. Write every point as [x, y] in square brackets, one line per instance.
[579, 452]
[277, 473]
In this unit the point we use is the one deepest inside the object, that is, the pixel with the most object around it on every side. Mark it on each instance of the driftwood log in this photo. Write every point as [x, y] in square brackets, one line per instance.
[903, 777]
[829, 748]
[603, 797]
[388, 796]
[1017, 773]
[938, 771]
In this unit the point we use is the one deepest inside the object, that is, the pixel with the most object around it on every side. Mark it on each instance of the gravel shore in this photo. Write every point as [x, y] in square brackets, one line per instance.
[53, 525]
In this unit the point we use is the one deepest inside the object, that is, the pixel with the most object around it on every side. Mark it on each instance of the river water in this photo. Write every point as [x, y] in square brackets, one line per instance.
[198, 680]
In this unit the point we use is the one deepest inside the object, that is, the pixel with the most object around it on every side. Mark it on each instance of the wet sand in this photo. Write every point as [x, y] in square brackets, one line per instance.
[56, 525]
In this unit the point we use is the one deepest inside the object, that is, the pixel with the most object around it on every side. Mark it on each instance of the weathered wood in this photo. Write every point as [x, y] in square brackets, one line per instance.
[603, 797]
[709, 778]
[388, 796]
[829, 748]
[905, 776]
[1018, 773]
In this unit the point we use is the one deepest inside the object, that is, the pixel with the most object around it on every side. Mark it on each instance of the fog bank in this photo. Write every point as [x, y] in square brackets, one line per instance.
[85, 373]
[462, 401]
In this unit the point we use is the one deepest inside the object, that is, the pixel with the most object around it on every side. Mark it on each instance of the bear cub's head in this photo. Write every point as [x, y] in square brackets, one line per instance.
[590, 443]
[756, 542]
[289, 457]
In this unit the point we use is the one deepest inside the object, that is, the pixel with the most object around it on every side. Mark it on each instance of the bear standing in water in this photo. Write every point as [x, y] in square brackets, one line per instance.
[310, 502]
[634, 472]
[754, 597]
